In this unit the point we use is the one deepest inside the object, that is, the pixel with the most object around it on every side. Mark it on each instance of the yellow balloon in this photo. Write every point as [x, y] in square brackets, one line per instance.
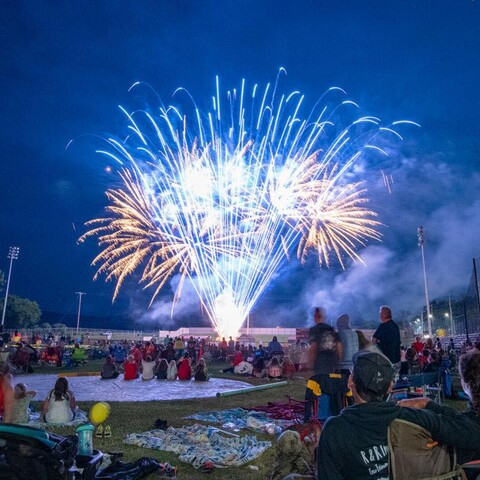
[99, 412]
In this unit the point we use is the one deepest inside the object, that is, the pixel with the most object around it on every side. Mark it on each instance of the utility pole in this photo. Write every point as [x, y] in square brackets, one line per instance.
[12, 255]
[477, 293]
[79, 308]
[452, 326]
[421, 243]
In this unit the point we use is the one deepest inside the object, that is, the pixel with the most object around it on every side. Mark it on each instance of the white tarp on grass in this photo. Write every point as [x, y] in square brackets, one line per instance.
[118, 390]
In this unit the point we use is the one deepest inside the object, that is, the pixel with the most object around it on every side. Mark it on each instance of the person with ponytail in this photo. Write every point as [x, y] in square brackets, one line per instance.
[60, 405]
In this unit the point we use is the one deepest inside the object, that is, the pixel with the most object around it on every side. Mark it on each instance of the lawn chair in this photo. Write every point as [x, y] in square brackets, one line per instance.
[418, 385]
[413, 455]
[434, 386]
[21, 362]
[79, 357]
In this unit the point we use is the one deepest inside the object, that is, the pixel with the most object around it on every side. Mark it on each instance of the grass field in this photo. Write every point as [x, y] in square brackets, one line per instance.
[128, 417]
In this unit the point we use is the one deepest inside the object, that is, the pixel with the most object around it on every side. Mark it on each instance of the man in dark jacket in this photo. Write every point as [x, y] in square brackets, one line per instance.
[387, 336]
[353, 445]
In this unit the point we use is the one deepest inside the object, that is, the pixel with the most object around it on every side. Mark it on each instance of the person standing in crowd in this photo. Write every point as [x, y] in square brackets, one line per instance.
[231, 345]
[178, 347]
[274, 347]
[387, 337]
[325, 347]
[349, 341]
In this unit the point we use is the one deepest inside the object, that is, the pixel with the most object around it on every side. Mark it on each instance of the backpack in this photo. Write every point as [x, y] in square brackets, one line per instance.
[414, 455]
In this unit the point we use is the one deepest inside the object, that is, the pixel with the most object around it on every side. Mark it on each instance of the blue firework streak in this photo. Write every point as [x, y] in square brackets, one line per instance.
[225, 200]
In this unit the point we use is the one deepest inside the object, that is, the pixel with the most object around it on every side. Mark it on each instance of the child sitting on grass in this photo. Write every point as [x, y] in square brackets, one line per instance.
[172, 370]
[274, 368]
[22, 397]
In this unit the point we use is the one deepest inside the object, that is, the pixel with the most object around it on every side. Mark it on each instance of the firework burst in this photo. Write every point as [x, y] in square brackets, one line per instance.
[225, 200]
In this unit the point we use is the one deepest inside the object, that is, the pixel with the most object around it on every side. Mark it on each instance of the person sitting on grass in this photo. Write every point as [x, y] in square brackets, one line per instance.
[288, 368]
[259, 369]
[22, 397]
[243, 368]
[148, 365]
[184, 368]
[234, 362]
[161, 369]
[200, 372]
[172, 370]
[274, 369]
[130, 367]
[109, 369]
[434, 363]
[414, 365]
[353, 445]
[60, 405]
[120, 356]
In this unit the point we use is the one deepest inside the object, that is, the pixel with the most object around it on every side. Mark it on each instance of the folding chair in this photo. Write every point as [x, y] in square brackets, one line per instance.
[424, 385]
[433, 386]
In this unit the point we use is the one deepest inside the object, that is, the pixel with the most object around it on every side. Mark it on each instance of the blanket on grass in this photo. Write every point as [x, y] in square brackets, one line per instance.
[293, 410]
[237, 418]
[35, 420]
[198, 444]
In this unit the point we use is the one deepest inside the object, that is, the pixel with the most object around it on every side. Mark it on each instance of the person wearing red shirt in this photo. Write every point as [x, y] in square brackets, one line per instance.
[184, 369]
[418, 345]
[131, 370]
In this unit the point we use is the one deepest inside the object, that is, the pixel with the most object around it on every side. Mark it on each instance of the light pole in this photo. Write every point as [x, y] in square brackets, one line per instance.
[79, 307]
[12, 255]
[451, 315]
[421, 243]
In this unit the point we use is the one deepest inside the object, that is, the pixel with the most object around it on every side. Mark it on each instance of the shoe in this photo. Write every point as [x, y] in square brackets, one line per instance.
[160, 424]
[167, 471]
[207, 467]
[107, 433]
[99, 433]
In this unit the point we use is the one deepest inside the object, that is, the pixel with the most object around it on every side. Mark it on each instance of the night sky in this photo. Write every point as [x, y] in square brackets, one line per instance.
[65, 67]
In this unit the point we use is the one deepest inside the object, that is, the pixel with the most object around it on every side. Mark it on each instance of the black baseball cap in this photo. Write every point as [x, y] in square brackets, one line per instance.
[372, 371]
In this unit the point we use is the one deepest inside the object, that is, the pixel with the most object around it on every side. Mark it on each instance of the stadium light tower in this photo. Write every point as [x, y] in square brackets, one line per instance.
[79, 308]
[12, 255]
[421, 243]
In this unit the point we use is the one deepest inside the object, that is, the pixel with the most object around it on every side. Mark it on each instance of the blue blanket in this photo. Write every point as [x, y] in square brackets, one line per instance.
[198, 444]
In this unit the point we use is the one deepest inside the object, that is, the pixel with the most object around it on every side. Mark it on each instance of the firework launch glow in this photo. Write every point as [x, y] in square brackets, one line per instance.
[225, 199]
